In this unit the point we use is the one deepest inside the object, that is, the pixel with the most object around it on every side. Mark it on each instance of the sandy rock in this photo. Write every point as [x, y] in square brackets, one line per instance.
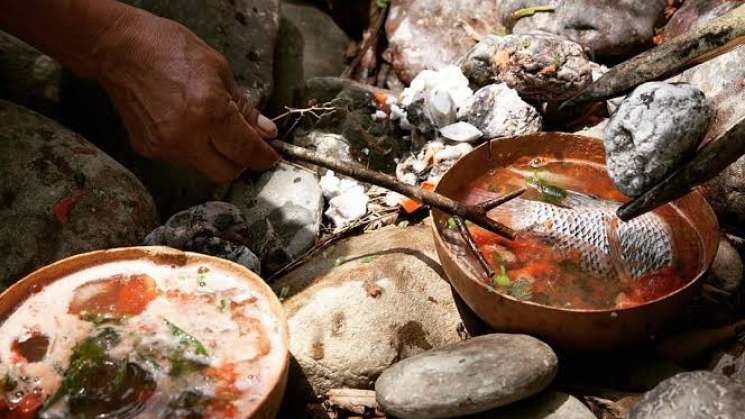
[245, 31]
[695, 13]
[656, 127]
[474, 376]
[60, 195]
[727, 269]
[286, 202]
[498, 111]
[28, 77]
[213, 228]
[607, 27]
[362, 305]
[693, 395]
[431, 34]
[325, 44]
[548, 405]
[540, 67]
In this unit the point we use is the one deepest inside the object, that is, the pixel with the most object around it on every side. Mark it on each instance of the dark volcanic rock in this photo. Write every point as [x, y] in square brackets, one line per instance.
[540, 67]
[693, 395]
[431, 34]
[213, 228]
[469, 377]
[60, 195]
[656, 127]
[607, 27]
[695, 13]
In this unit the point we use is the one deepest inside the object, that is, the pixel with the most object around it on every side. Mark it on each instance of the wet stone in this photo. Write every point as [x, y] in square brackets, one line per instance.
[607, 27]
[656, 127]
[431, 34]
[479, 374]
[283, 209]
[362, 305]
[693, 395]
[498, 111]
[540, 67]
[60, 196]
[213, 228]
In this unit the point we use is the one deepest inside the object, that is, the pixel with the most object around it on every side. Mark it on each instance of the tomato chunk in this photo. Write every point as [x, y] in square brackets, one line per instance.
[116, 296]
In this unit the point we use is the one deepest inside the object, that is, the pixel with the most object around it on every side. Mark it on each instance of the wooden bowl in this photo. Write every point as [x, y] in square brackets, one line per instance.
[568, 329]
[36, 281]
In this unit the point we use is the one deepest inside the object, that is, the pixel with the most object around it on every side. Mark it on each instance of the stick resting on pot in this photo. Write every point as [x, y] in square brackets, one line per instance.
[473, 213]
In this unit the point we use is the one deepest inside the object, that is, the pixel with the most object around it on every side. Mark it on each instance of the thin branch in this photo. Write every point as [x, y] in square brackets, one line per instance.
[490, 204]
[469, 212]
[468, 238]
[302, 111]
[368, 43]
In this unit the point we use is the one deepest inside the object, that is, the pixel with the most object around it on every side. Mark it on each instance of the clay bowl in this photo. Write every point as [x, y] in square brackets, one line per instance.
[12, 297]
[567, 329]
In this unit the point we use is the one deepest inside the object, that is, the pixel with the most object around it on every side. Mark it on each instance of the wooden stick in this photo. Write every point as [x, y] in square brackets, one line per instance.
[490, 204]
[468, 238]
[472, 213]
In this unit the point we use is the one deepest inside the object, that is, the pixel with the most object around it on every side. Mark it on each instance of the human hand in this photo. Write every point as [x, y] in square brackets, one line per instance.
[179, 100]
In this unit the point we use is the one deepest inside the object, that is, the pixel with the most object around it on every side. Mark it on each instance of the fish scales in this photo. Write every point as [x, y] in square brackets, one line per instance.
[646, 244]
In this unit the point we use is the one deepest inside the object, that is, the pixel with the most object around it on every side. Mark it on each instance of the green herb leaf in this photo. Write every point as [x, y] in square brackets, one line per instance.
[452, 225]
[186, 339]
[98, 318]
[367, 259]
[501, 279]
[522, 289]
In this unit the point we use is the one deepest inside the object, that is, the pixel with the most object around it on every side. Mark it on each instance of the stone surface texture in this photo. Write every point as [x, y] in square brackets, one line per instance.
[431, 34]
[693, 395]
[695, 13]
[498, 111]
[60, 196]
[607, 27]
[540, 67]
[547, 405]
[479, 374]
[362, 305]
[656, 127]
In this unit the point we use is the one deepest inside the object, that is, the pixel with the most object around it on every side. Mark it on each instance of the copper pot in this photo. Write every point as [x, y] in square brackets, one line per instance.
[568, 329]
[36, 281]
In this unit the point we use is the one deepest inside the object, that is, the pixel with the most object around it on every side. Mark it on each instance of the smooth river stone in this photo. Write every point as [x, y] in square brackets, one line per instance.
[474, 376]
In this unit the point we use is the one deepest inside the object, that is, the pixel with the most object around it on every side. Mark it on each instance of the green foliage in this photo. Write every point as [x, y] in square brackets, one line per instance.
[522, 289]
[186, 339]
[501, 279]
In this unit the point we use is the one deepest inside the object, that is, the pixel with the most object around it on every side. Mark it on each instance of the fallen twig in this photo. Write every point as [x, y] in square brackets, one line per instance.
[371, 40]
[471, 243]
[472, 213]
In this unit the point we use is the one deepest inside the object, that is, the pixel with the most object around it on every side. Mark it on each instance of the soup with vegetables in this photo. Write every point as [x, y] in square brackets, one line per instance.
[138, 339]
[571, 251]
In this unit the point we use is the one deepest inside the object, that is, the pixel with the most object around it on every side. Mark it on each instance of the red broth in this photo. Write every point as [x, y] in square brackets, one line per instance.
[530, 267]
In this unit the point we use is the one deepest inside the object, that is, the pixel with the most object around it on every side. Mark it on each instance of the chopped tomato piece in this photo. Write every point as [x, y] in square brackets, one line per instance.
[655, 285]
[117, 296]
[25, 409]
[410, 205]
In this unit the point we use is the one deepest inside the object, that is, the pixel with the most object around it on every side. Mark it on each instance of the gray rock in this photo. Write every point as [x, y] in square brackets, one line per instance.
[693, 395]
[245, 31]
[540, 67]
[726, 193]
[695, 13]
[655, 128]
[548, 405]
[28, 77]
[482, 373]
[325, 44]
[595, 130]
[283, 210]
[461, 132]
[607, 27]
[362, 305]
[729, 360]
[289, 76]
[431, 34]
[60, 195]
[497, 111]
[333, 146]
[727, 269]
[213, 228]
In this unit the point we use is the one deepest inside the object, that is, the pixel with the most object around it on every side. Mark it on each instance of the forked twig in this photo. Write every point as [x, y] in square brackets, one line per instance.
[471, 243]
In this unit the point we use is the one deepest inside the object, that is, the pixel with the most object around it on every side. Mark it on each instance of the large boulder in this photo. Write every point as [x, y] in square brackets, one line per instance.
[363, 305]
[430, 34]
[245, 31]
[607, 27]
[325, 44]
[28, 77]
[60, 195]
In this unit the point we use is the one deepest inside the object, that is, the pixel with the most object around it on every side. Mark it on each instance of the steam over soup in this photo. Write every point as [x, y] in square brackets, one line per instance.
[571, 251]
[138, 339]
